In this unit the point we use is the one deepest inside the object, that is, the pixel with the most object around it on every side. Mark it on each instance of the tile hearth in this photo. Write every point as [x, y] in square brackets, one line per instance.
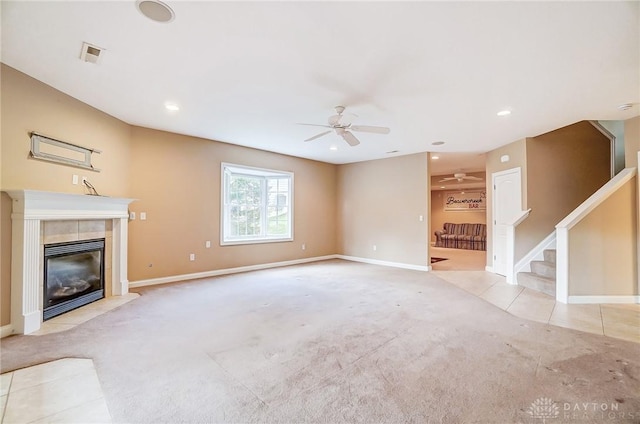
[81, 315]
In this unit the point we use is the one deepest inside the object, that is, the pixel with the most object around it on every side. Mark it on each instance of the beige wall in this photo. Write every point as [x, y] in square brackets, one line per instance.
[5, 259]
[177, 181]
[565, 167]
[380, 203]
[631, 141]
[439, 215]
[602, 248]
[29, 105]
[517, 152]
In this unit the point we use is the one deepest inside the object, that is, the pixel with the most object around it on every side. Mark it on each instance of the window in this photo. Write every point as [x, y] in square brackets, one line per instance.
[257, 205]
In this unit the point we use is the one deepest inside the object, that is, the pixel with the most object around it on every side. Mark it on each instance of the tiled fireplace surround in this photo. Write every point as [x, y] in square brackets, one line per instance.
[40, 218]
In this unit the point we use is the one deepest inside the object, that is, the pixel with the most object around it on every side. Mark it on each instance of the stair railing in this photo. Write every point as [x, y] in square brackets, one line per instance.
[563, 229]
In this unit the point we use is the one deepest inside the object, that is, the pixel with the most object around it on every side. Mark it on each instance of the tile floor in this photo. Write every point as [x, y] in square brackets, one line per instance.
[465, 269]
[41, 394]
[62, 391]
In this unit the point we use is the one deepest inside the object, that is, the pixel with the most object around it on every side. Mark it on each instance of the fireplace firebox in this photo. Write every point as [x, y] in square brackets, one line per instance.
[73, 275]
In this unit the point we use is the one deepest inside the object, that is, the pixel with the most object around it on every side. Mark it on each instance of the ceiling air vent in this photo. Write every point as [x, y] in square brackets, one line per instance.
[91, 53]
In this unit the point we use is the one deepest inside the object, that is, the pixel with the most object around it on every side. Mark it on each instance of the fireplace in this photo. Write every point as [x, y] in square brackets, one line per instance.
[73, 275]
[32, 211]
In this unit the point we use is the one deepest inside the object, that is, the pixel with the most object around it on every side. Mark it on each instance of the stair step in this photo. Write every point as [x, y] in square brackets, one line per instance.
[544, 268]
[537, 282]
[550, 255]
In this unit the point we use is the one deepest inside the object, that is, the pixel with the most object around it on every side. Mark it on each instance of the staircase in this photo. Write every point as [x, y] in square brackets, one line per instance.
[543, 274]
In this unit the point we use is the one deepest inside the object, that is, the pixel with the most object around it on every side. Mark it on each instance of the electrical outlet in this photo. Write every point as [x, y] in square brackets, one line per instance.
[132, 216]
[192, 256]
[375, 247]
[304, 246]
[207, 244]
[143, 216]
[74, 179]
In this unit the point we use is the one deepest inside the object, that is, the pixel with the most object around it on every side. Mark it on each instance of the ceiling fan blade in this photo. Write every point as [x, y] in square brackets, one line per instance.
[318, 136]
[472, 178]
[315, 125]
[350, 138]
[370, 129]
[447, 179]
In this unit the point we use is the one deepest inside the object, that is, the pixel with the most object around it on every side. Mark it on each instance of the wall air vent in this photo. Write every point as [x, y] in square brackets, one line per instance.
[91, 53]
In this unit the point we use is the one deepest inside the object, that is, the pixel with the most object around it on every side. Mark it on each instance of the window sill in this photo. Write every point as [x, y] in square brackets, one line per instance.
[255, 241]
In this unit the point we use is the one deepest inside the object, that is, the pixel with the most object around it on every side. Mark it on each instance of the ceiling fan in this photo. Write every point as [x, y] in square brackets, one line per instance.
[341, 124]
[461, 177]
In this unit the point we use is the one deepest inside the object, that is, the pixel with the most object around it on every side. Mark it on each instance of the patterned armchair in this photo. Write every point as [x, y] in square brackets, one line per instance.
[462, 236]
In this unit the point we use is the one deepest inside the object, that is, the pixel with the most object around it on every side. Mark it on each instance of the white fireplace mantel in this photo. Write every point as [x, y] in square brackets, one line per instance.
[30, 208]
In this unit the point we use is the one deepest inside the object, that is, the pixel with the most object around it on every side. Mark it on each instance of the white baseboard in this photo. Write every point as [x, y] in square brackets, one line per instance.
[6, 330]
[385, 263]
[226, 271]
[604, 299]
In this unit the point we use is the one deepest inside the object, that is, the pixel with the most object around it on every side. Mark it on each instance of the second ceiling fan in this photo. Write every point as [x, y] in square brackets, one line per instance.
[342, 126]
[460, 177]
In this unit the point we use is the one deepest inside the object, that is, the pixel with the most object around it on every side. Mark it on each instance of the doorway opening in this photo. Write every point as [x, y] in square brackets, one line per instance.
[458, 219]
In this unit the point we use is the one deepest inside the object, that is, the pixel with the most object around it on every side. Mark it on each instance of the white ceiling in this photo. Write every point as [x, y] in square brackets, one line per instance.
[247, 72]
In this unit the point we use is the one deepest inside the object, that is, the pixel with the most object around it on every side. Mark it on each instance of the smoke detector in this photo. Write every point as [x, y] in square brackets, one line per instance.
[155, 10]
[625, 106]
[91, 53]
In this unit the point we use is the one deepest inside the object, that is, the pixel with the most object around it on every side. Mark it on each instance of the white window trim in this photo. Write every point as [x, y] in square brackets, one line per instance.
[250, 170]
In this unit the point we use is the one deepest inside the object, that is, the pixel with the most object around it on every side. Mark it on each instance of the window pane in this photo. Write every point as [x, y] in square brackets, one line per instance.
[257, 204]
[278, 222]
[244, 202]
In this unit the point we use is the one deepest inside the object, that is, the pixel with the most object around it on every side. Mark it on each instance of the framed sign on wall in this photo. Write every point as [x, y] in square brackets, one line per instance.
[465, 200]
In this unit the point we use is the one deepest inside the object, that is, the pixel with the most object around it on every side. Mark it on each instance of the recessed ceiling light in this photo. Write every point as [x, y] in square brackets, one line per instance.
[442, 187]
[437, 143]
[504, 112]
[155, 10]
[172, 106]
[435, 157]
[333, 148]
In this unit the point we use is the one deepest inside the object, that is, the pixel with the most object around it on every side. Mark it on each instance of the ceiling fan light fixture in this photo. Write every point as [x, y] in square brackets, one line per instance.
[334, 148]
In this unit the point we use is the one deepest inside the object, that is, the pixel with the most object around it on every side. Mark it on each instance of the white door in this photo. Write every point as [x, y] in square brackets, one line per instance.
[507, 205]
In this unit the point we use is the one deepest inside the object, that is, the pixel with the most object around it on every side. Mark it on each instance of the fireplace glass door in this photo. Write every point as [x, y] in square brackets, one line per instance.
[73, 275]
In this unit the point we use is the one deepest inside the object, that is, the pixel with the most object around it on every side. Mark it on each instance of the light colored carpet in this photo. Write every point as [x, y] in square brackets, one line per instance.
[337, 341]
